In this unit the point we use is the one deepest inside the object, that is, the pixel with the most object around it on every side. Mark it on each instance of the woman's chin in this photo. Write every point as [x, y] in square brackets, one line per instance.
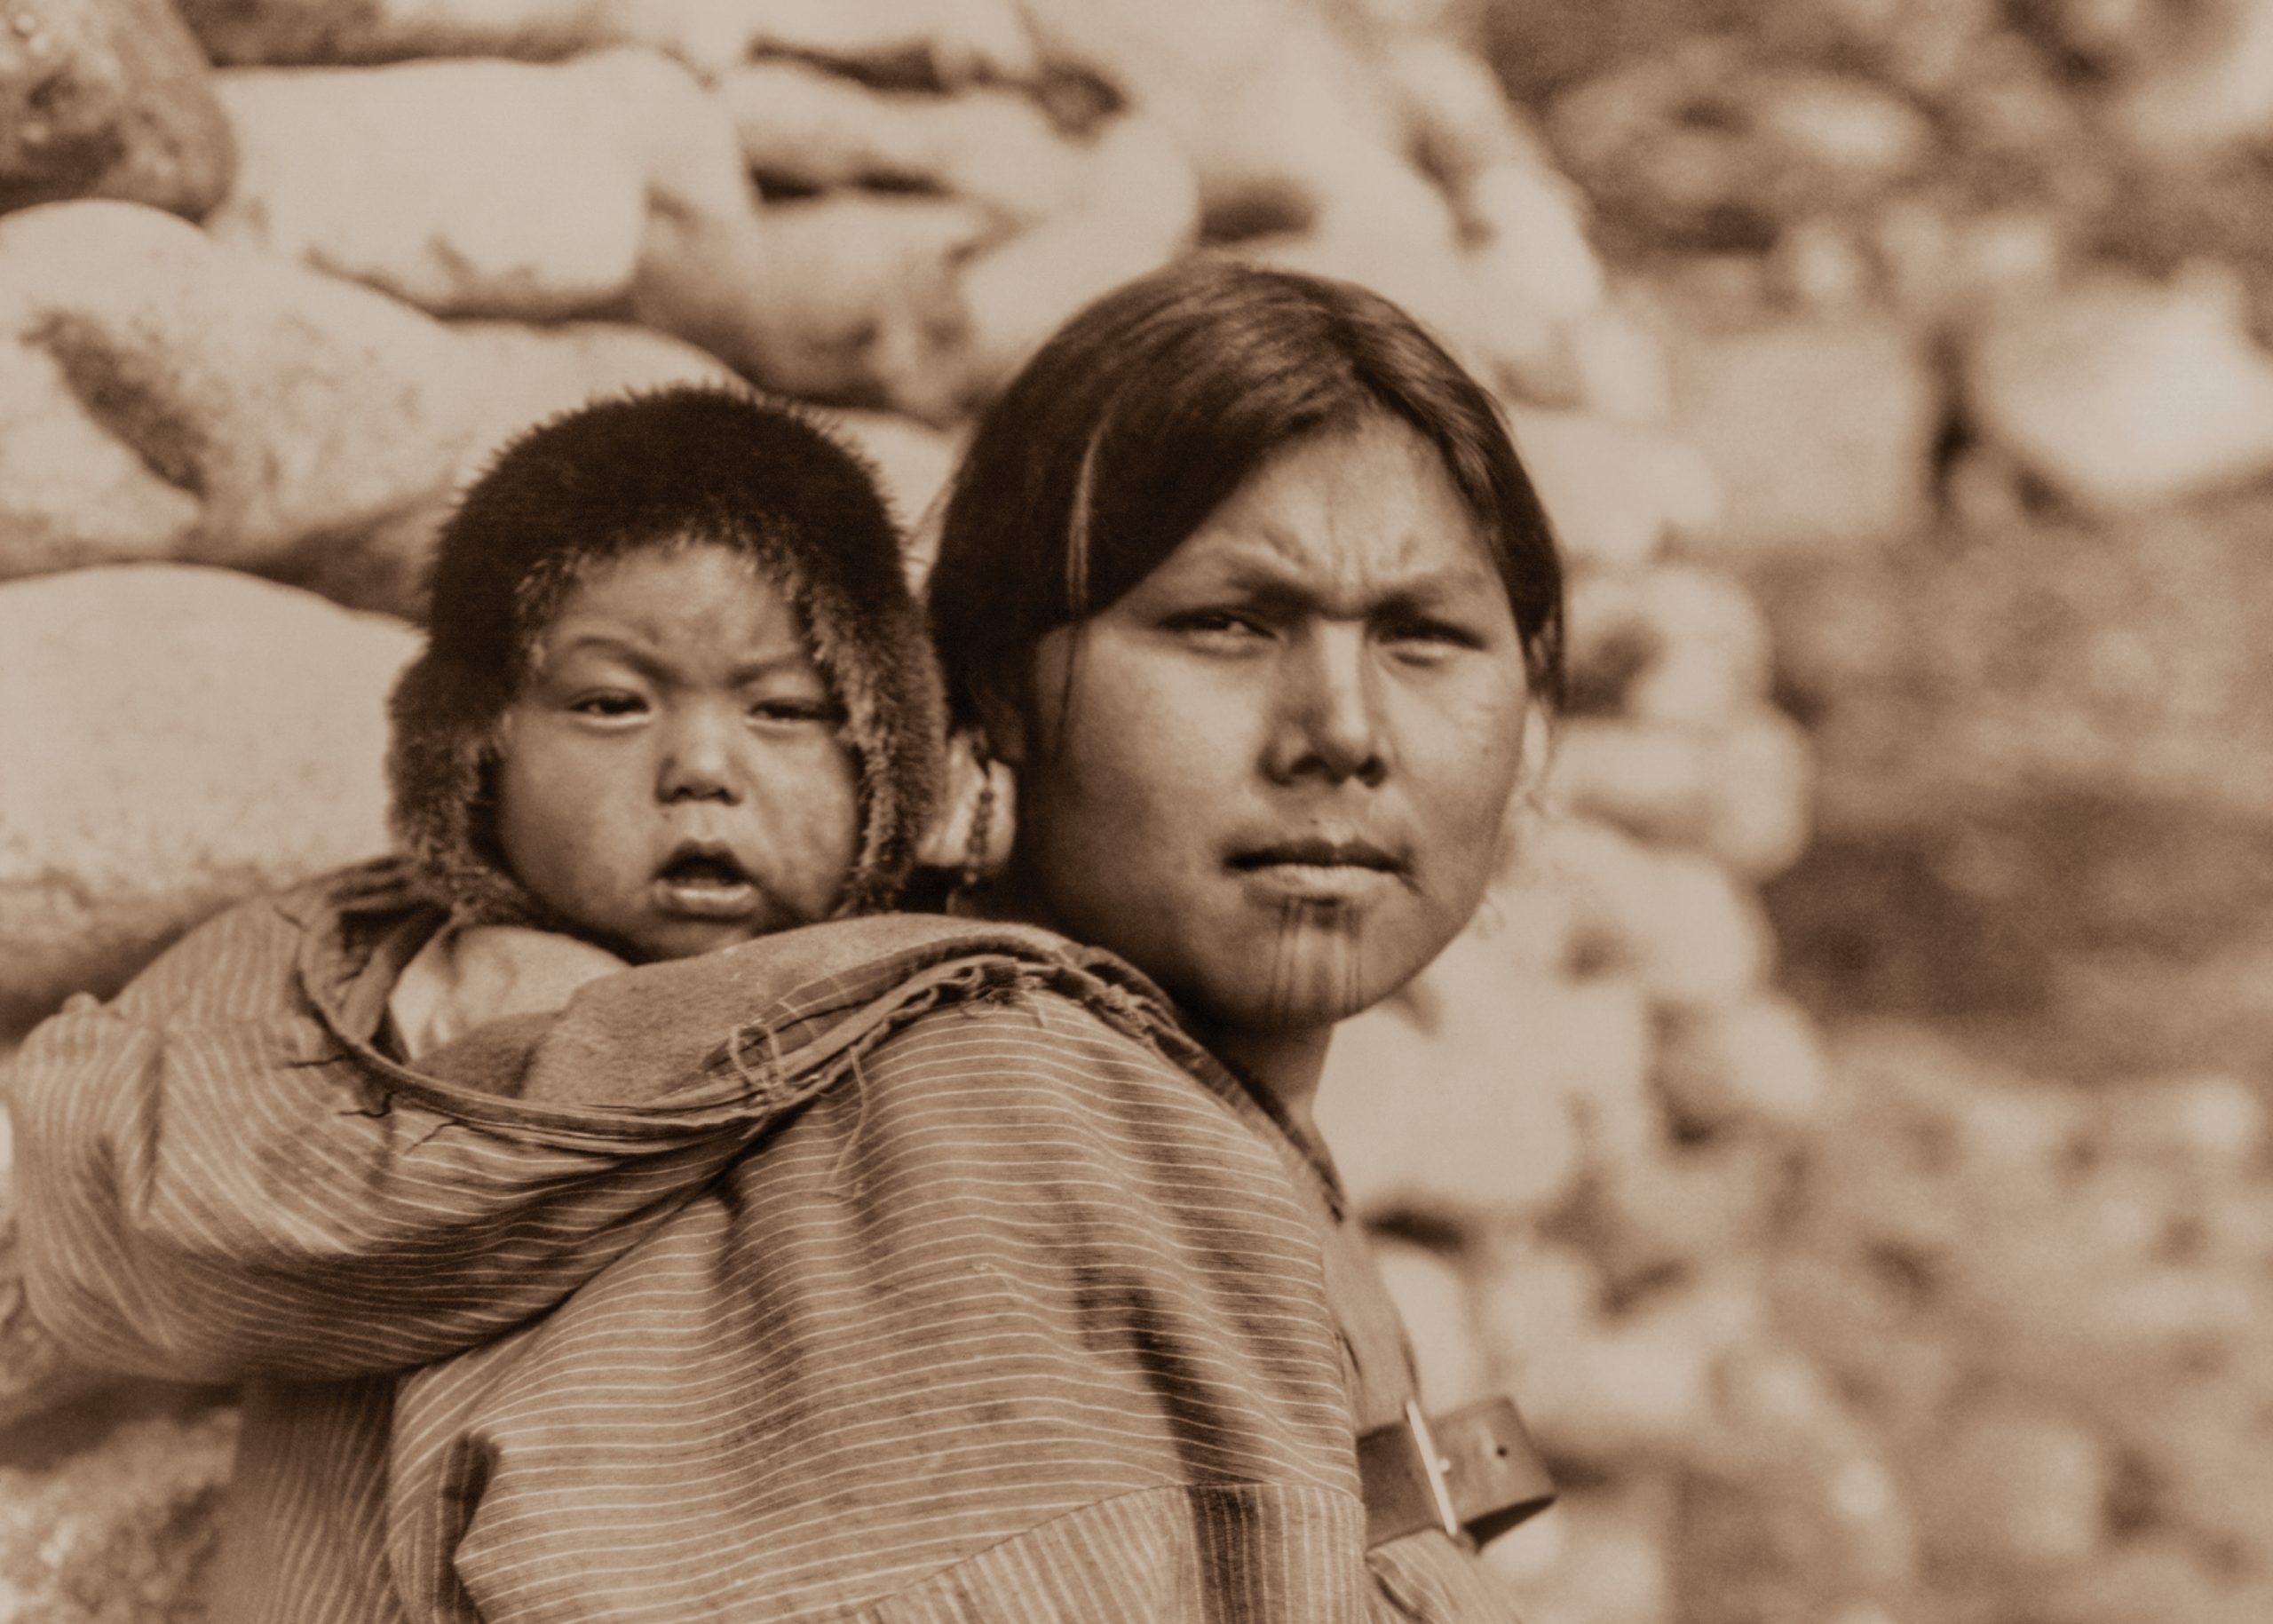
[1303, 998]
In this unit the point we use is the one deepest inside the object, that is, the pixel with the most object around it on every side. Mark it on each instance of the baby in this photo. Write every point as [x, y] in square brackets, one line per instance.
[676, 695]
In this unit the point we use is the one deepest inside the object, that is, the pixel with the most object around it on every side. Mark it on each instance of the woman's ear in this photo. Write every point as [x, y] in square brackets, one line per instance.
[1003, 725]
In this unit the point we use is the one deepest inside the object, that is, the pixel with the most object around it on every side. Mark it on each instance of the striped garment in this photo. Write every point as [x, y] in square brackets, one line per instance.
[893, 1269]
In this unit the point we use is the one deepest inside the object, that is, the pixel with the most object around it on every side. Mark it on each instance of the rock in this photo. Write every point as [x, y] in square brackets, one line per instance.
[2215, 1124]
[855, 302]
[1537, 1297]
[1611, 1561]
[2020, 1487]
[1636, 1387]
[2162, 1574]
[2124, 394]
[1142, 208]
[1616, 493]
[937, 41]
[107, 99]
[282, 404]
[807, 130]
[550, 166]
[1280, 117]
[1699, 146]
[1737, 791]
[1468, 1112]
[1432, 1300]
[1671, 1209]
[2213, 89]
[612, 181]
[511, 377]
[1681, 926]
[121, 1533]
[71, 492]
[1754, 1064]
[1619, 366]
[912, 463]
[1821, 433]
[114, 687]
[1676, 643]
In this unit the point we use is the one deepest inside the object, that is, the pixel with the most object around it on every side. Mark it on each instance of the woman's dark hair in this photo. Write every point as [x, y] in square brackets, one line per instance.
[1148, 409]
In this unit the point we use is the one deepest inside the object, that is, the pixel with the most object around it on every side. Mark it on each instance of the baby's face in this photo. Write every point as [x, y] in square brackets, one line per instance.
[670, 777]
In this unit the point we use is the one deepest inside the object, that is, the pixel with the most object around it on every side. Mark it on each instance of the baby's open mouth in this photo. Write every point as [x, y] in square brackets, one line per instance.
[700, 869]
[704, 882]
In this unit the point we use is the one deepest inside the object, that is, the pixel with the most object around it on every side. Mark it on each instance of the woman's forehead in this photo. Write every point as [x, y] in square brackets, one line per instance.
[1369, 509]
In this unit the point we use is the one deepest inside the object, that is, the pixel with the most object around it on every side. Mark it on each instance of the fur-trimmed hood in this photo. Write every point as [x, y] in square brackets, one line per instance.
[714, 463]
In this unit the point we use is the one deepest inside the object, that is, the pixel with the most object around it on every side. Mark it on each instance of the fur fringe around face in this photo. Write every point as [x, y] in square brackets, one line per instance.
[694, 464]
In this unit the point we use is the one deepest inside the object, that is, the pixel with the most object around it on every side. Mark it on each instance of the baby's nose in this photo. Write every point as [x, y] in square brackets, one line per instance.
[698, 762]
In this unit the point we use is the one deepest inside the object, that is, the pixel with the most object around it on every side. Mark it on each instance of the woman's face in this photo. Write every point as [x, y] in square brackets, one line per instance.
[1272, 774]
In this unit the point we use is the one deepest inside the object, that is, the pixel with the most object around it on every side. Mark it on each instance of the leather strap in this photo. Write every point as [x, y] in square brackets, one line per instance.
[1473, 1470]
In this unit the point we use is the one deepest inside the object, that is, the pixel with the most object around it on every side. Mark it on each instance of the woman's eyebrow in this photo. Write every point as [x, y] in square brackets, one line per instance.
[1265, 577]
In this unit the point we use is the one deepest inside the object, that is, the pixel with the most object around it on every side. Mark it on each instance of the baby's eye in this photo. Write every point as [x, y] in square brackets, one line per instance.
[610, 703]
[797, 709]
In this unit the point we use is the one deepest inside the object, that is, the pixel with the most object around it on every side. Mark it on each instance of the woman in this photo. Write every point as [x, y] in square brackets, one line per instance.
[1032, 1297]
[910, 1268]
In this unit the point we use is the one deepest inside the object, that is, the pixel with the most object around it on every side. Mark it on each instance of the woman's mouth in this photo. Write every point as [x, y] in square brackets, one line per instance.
[1320, 870]
[702, 882]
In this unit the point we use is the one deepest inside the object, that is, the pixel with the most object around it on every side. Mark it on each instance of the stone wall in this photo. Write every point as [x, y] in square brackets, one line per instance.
[276, 274]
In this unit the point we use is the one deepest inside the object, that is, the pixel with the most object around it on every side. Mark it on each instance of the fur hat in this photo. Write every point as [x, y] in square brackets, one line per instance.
[699, 463]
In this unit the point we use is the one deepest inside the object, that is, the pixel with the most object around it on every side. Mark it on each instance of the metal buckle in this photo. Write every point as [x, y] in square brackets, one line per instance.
[1433, 1465]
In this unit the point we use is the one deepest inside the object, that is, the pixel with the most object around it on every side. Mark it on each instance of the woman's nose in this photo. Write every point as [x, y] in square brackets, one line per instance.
[1330, 724]
[698, 762]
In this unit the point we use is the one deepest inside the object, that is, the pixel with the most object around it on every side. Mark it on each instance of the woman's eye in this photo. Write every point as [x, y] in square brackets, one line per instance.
[1423, 636]
[1217, 625]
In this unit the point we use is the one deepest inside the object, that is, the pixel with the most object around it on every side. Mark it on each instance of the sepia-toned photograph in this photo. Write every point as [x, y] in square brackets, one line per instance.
[1189, 811]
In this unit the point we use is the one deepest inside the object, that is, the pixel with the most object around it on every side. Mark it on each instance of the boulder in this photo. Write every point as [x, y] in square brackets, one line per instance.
[549, 173]
[1677, 643]
[1821, 432]
[510, 377]
[1139, 208]
[1464, 1095]
[1755, 1064]
[1419, 1124]
[804, 129]
[1616, 493]
[937, 41]
[613, 181]
[1736, 789]
[1703, 147]
[120, 1532]
[913, 462]
[176, 738]
[852, 300]
[107, 99]
[1611, 1565]
[2211, 88]
[2020, 1487]
[1432, 1300]
[1684, 930]
[265, 403]
[2125, 394]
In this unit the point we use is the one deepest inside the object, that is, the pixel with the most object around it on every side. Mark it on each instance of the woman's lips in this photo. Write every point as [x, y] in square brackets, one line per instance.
[1319, 870]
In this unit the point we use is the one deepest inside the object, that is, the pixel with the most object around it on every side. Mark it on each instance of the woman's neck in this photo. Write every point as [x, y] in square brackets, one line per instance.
[1287, 1064]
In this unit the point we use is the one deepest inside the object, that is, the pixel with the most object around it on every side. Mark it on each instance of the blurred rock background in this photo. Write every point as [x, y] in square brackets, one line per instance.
[1844, 1128]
